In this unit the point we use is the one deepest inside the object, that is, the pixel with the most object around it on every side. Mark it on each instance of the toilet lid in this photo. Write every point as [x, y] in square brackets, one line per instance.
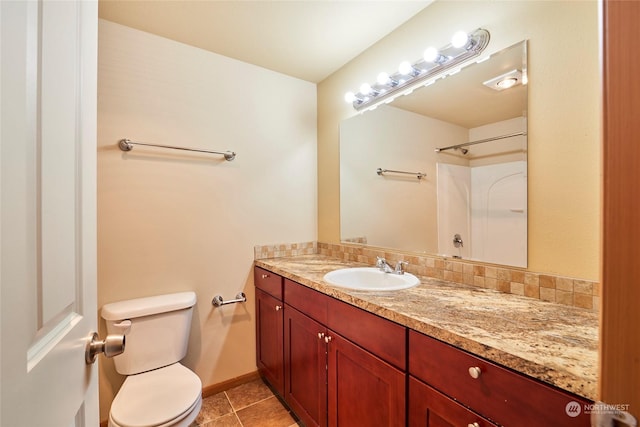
[156, 397]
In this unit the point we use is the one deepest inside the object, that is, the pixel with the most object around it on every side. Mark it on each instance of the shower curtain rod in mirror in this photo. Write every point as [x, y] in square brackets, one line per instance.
[480, 141]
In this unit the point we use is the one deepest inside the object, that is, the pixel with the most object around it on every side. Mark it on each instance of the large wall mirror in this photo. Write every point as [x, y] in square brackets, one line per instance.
[472, 201]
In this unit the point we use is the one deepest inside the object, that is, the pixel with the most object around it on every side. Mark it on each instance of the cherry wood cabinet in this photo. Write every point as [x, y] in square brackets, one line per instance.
[269, 328]
[305, 367]
[384, 338]
[363, 390]
[501, 395]
[269, 282]
[340, 366]
[430, 408]
[330, 380]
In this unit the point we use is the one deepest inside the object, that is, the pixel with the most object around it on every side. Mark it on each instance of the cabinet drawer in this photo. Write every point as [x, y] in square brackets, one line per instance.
[269, 282]
[310, 302]
[429, 407]
[380, 336]
[501, 395]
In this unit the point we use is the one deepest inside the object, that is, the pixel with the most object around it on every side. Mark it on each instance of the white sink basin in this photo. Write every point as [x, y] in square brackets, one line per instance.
[370, 279]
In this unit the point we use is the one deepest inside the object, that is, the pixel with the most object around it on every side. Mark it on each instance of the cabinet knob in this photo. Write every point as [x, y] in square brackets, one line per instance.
[475, 372]
[473, 425]
[327, 339]
[264, 276]
[320, 335]
[278, 307]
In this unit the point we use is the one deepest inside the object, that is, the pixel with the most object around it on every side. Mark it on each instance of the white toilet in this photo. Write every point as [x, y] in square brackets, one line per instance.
[158, 391]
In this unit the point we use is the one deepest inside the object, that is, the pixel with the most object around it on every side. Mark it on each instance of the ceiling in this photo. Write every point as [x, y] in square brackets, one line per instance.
[306, 39]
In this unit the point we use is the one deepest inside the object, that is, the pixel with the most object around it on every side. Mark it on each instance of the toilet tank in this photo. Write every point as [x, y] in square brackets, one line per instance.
[156, 329]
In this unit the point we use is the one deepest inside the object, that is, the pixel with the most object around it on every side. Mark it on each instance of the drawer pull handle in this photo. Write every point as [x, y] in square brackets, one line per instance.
[473, 425]
[320, 335]
[278, 307]
[264, 276]
[327, 339]
[475, 372]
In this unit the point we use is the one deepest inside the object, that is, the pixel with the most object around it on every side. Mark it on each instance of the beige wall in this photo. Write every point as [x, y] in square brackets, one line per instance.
[386, 138]
[564, 120]
[170, 221]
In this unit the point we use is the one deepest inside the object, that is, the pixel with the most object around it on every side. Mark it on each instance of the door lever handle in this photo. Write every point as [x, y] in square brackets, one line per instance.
[112, 345]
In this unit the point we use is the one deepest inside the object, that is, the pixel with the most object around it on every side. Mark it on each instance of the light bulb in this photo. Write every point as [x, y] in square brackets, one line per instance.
[405, 68]
[383, 78]
[459, 39]
[431, 54]
[365, 89]
[350, 97]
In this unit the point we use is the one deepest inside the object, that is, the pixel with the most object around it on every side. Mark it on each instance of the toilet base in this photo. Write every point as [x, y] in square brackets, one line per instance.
[188, 417]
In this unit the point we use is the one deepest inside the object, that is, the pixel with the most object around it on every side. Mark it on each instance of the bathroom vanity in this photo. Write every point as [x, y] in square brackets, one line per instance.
[438, 354]
[328, 350]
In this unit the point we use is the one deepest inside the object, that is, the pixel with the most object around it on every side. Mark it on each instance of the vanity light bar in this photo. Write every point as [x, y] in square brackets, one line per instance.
[435, 63]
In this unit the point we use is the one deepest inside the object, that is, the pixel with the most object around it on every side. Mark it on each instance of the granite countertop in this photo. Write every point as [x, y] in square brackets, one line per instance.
[554, 343]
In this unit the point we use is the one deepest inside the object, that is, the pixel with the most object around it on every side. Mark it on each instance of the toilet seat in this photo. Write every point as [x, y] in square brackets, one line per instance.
[158, 398]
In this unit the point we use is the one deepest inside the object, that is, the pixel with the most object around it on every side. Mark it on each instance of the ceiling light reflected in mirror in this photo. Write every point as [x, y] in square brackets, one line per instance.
[505, 81]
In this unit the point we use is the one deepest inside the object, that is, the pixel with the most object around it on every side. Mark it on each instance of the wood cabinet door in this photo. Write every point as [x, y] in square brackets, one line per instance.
[306, 367]
[430, 408]
[270, 339]
[363, 389]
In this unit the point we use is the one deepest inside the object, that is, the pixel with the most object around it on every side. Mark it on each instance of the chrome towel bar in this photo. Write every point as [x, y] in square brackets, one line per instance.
[418, 175]
[127, 145]
[218, 301]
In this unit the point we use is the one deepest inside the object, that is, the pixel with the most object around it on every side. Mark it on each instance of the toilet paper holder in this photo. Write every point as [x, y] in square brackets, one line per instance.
[218, 301]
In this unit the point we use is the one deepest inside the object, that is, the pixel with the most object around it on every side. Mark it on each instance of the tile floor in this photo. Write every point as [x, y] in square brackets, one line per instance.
[248, 405]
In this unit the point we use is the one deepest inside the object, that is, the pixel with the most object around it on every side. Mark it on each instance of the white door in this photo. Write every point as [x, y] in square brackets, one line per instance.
[48, 213]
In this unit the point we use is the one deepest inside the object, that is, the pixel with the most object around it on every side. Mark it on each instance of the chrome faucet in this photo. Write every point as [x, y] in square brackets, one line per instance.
[382, 264]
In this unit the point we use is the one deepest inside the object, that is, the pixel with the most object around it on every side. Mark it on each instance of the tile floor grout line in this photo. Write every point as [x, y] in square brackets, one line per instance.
[208, 421]
[250, 404]
[233, 409]
[238, 418]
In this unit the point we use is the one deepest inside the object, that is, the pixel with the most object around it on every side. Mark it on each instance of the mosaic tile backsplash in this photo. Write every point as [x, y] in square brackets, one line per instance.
[545, 287]
[285, 250]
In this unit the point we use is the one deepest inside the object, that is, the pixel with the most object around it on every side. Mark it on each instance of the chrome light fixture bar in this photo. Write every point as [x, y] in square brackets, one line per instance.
[434, 64]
